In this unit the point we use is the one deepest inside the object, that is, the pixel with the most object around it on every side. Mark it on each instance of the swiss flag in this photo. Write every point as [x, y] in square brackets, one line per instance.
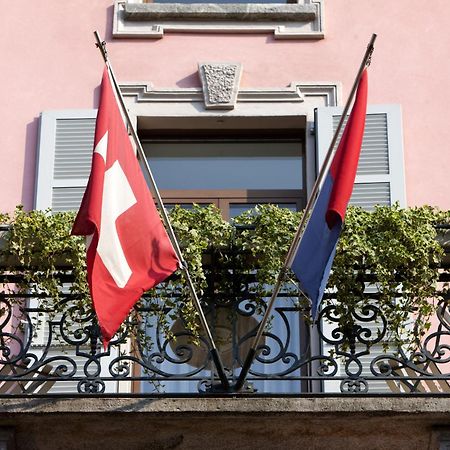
[128, 250]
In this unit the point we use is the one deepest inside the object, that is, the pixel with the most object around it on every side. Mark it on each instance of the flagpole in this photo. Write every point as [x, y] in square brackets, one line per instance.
[298, 235]
[140, 151]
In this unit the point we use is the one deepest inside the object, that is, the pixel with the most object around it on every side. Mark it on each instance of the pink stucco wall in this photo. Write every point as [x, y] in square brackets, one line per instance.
[50, 62]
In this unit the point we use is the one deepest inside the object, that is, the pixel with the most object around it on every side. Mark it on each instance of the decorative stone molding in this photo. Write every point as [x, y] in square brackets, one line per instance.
[297, 91]
[302, 19]
[220, 82]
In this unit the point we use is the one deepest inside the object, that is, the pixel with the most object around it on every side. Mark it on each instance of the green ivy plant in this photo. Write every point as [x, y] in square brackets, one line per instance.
[36, 245]
[267, 235]
[396, 246]
[199, 230]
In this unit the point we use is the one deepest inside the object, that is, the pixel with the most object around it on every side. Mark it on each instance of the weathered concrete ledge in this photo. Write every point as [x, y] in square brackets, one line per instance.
[234, 406]
[226, 423]
[215, 11]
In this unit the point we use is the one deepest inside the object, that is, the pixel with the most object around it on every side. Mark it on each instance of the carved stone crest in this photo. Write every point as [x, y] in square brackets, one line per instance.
[220, 82]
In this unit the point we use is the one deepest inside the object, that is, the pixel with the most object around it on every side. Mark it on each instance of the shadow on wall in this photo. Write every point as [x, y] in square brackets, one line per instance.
[30, 162]
[192, 80]
[108, 24]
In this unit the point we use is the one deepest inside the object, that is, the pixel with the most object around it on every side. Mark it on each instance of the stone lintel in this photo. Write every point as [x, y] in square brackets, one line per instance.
[220, 12]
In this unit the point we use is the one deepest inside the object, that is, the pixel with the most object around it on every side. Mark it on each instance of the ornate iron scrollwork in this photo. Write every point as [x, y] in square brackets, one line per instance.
[64, 348]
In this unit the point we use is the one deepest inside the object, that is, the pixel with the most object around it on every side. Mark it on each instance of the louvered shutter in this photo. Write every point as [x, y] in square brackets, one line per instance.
[379, 180]
[64, 162]
[380, 175]
[64, 158]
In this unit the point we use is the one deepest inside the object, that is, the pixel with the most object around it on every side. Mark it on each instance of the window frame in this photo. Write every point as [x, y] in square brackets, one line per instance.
[223, 199]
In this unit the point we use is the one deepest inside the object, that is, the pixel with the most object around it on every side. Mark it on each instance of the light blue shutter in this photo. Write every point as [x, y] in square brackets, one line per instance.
[379, 180]
[64, 158]
[380, 176]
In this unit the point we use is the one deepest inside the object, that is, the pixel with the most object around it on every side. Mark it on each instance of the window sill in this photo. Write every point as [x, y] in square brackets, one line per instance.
[302, 20]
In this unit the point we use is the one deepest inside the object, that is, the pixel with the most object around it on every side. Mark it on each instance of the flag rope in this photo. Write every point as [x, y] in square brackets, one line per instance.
[298, 235]
[101, 45]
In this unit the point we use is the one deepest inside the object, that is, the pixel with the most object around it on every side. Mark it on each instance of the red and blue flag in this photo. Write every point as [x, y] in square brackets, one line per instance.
[315, 253]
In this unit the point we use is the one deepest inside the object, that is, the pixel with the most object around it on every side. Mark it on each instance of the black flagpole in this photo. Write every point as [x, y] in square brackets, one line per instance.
[141, 154]
[296, 241]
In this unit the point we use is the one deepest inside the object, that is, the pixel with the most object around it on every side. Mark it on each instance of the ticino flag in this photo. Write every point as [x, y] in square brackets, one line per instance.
[128, 250]
[314, 257]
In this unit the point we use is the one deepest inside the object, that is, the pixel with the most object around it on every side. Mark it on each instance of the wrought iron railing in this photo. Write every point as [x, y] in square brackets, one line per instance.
[58, 351]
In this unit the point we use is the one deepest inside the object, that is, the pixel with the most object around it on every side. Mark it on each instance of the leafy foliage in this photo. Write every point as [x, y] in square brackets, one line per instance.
[36, 244]
[397, 247]
[198, 230]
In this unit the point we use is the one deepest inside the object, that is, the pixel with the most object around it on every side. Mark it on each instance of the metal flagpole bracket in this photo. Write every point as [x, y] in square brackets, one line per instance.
[370, 49]
[101, 45]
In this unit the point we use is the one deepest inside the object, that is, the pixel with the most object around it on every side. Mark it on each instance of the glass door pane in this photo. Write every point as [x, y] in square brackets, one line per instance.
[226, 165]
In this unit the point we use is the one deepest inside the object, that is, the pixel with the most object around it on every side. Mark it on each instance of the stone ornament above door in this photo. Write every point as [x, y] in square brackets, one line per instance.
[220, 83]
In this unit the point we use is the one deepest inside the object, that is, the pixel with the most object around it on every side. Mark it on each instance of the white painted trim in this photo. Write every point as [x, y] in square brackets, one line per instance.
[297, 91]
[396, 152]
[144, 92]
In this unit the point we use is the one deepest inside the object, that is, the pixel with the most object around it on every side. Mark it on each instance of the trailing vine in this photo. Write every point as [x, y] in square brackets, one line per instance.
[397, 246]
[36, 246]
[198, 230]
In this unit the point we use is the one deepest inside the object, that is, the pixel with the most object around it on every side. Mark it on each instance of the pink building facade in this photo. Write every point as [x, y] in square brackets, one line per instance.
[51, 64]
[235, 104]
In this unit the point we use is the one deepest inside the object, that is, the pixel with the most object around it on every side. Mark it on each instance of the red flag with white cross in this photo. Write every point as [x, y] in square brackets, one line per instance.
[128, 249]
